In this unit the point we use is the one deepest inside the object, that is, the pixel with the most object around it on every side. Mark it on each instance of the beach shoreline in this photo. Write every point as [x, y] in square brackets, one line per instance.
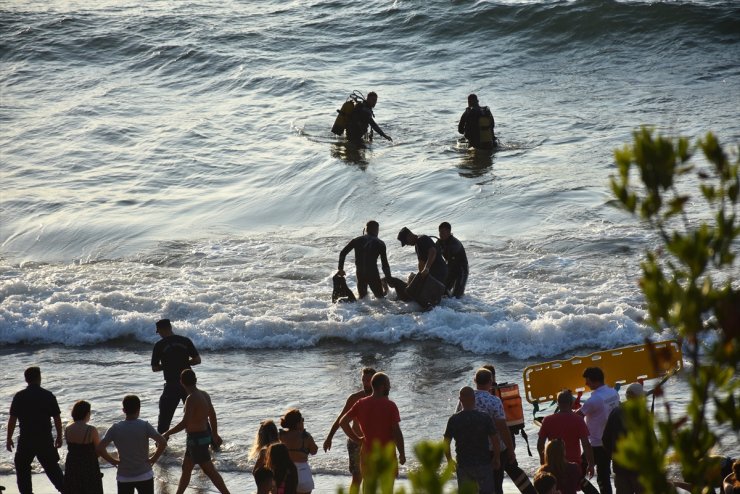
[235, 481]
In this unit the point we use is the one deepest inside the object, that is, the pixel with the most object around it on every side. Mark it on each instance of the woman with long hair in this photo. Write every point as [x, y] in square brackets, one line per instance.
[300, 444]
[81, 468]
[267, 434]
[568, 474]
[284, 473]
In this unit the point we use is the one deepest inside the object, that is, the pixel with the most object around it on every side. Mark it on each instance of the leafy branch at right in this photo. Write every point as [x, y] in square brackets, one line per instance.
[689, 286]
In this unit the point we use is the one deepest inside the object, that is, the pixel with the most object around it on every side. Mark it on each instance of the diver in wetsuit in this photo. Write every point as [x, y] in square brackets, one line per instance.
[477, 124]
[367, 248]
[430, 261]
[457, 261]
[362, 117]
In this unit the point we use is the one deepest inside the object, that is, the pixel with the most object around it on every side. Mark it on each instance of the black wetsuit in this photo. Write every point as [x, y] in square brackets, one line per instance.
[457, 265]
[173, 354]
[361, 118]
[367, 250]
[470, 127]
[438, 268]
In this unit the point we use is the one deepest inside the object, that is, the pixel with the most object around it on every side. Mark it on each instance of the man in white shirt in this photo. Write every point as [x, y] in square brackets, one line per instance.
[596, 411]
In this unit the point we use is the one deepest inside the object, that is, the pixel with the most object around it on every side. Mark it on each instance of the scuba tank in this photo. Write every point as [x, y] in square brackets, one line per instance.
[345, 112]
[485, 127]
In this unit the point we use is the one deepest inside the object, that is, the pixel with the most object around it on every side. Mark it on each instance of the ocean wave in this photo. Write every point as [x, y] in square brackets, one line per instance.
[329, 28]
[524, 305]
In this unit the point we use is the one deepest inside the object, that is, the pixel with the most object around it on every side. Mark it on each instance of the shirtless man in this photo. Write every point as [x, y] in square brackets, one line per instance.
[199, 420]
[353, 449]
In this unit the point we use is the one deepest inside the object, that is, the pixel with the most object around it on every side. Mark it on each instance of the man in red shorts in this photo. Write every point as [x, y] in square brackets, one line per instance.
[378, 419]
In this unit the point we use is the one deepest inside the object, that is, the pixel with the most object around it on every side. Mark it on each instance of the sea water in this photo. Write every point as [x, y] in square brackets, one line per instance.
[175, 160]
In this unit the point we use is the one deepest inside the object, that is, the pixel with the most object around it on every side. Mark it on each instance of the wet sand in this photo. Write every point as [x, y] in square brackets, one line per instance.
[236, 482]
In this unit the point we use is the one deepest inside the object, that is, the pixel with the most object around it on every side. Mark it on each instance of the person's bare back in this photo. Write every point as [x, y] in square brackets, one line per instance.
[197, 411]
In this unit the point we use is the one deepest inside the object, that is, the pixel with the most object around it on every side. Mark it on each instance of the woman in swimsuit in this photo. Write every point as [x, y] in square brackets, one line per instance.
[300, 444]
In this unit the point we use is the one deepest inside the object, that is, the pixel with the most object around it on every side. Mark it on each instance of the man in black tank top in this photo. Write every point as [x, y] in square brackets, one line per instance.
[367, 249]
[172, 354]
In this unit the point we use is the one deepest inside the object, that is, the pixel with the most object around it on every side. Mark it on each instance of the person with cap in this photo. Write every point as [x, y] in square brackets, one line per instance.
[368, 248]
[171, 355]
[625, 480]
[477, 124]
[596, 411]
[430, 261]
[362, 117]
[453, 253]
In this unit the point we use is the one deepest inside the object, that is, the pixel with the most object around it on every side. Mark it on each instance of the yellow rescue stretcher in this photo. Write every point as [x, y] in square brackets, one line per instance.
[625, 365]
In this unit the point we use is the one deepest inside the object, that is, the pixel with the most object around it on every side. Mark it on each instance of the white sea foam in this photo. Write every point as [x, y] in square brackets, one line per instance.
[526, 303]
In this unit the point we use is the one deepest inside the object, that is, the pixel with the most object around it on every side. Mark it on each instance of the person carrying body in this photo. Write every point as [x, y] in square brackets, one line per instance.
[477, 124]
[453, 253]
[430, 262]
[362, 118]
[368, 248]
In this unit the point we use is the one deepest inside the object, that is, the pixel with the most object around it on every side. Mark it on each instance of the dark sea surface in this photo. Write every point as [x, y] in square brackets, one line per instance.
[175, 159]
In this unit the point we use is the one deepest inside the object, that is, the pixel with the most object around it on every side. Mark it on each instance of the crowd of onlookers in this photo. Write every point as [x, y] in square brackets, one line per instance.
[573, 443]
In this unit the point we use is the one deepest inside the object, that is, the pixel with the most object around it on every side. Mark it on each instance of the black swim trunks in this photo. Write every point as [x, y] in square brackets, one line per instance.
[197, 447]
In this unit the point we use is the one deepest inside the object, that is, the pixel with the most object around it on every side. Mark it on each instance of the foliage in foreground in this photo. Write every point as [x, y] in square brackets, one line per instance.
[429, 478]
[688, 287]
